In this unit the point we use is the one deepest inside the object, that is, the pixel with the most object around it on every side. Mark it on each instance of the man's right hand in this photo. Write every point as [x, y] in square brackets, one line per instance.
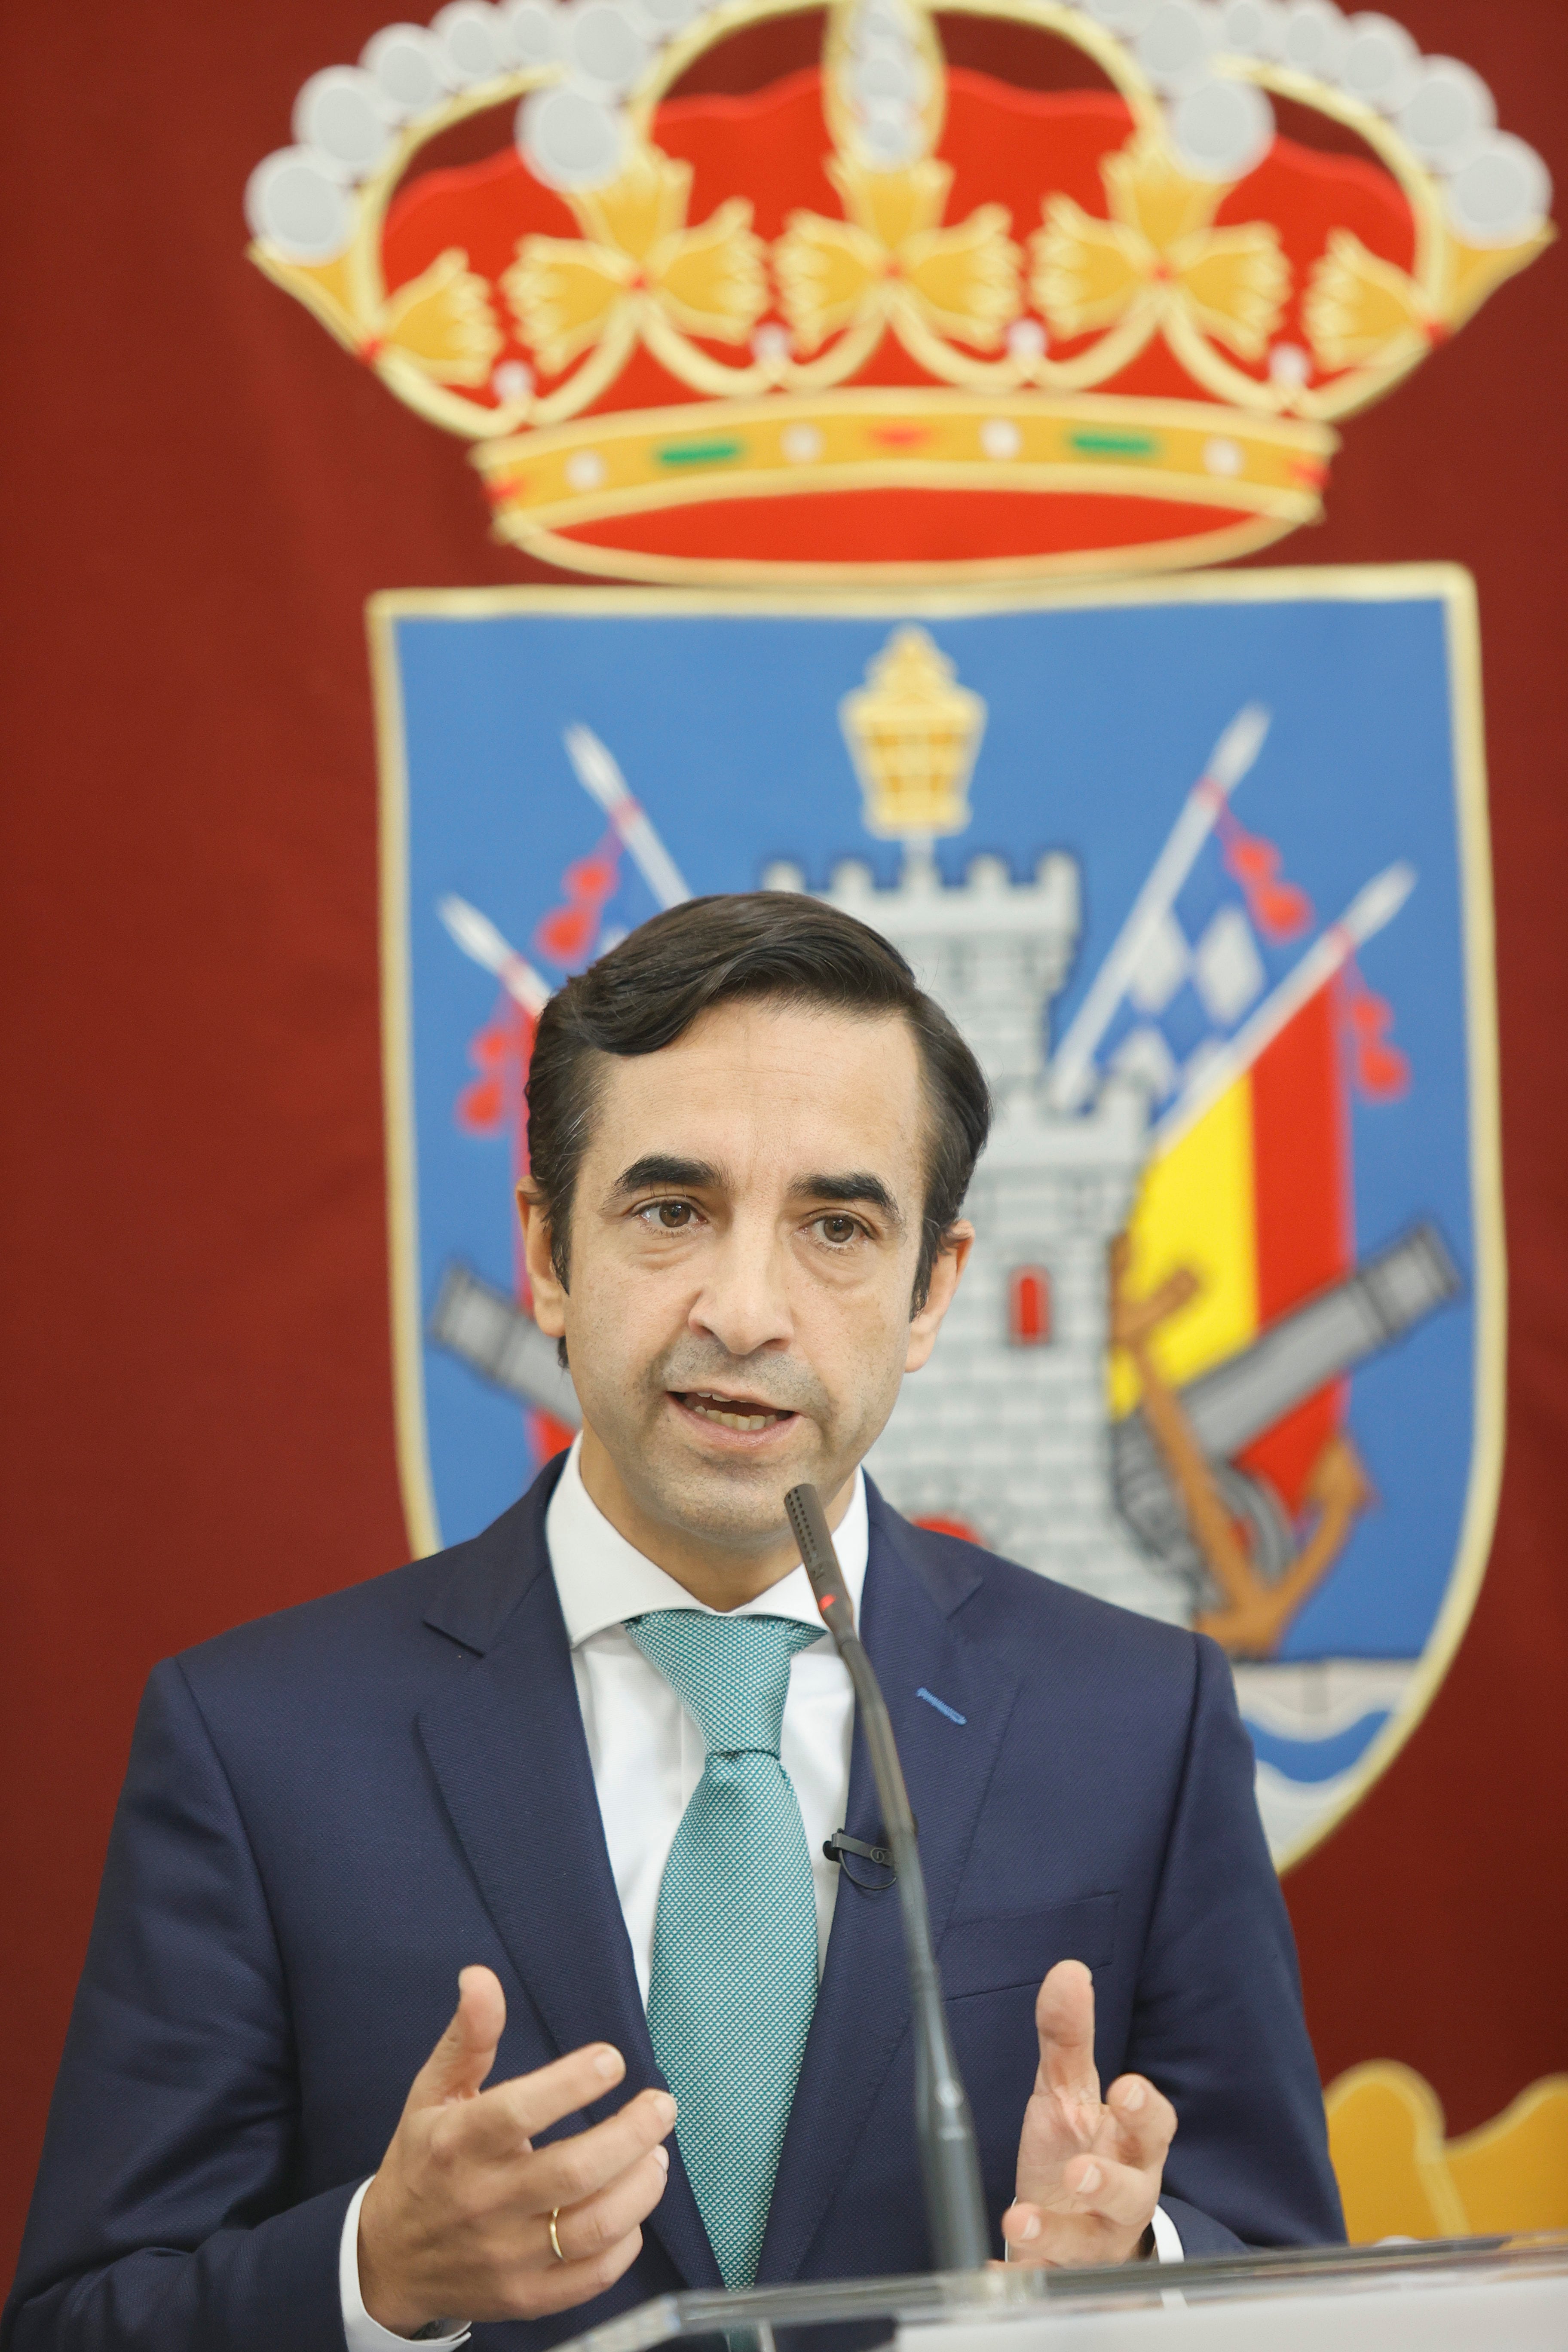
[456, 2223]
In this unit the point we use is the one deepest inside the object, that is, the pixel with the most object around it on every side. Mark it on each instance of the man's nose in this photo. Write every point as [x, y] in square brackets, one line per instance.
[743, 1302]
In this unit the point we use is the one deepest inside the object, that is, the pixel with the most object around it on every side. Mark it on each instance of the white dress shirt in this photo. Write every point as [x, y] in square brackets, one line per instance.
[648, 1752]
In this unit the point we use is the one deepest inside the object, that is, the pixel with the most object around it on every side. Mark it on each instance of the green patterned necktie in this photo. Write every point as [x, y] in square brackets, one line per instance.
[734, 1942]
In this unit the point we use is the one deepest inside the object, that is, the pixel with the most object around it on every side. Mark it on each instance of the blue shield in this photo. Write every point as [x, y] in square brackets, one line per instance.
[1200, 867]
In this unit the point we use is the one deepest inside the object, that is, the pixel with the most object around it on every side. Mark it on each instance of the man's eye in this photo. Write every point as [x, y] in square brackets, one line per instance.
[667, 1216]
[838, 1230]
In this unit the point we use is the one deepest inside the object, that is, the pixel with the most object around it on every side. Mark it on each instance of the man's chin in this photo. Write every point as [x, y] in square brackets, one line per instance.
[730, 1494]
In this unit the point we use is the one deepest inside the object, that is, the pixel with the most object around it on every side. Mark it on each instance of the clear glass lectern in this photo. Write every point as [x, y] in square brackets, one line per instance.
[1465, 2295]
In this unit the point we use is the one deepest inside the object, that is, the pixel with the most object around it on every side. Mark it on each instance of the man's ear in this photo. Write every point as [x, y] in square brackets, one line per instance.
[549, 1290]
[946, 1275]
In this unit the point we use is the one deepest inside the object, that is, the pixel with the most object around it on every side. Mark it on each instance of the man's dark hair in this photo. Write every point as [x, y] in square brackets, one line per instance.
[772, 944]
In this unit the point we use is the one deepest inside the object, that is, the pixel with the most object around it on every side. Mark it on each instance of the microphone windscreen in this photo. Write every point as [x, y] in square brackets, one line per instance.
[809, 1523]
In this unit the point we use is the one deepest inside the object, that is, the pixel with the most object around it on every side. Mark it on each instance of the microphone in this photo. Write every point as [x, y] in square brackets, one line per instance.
[955, 2205]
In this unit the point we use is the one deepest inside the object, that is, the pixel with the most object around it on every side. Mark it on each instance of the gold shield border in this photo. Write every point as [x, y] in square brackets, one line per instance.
[1446, 583]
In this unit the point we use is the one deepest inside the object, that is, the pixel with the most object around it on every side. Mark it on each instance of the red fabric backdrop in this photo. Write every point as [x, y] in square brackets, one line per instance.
[201, 492]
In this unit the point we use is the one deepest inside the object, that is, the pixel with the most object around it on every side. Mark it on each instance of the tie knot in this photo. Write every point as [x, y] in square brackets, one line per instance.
[732, 1672]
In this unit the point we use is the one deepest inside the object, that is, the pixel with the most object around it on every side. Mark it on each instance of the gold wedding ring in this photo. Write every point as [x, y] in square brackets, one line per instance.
[554, 2236]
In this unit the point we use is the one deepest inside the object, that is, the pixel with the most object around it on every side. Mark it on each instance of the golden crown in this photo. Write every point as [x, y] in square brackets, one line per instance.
[913, 733]
[891, 316]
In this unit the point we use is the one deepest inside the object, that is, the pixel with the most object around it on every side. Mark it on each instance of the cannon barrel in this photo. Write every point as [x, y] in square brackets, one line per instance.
[1318, 1341]
[497, 1340]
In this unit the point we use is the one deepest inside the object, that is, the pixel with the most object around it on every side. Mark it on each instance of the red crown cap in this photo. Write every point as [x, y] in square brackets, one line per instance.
[888, 303]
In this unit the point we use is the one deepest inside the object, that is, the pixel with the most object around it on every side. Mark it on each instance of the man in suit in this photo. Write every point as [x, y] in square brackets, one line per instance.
[590, 1761]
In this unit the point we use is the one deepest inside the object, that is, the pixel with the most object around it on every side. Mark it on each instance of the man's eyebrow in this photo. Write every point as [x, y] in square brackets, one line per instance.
[664, 1170]
[858, 1185]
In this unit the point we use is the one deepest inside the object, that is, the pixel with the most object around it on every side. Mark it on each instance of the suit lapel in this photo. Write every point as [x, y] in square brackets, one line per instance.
[506, 1744]
[863, 2007]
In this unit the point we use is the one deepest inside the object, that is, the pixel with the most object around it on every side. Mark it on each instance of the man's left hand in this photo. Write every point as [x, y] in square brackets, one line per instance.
[1089, 2169]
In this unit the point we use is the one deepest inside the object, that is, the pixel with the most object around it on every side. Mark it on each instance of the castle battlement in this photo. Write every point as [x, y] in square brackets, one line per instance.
[993, 951]
[1110, 1139]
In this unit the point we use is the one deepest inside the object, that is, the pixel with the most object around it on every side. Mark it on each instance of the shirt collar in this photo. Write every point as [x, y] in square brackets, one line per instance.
[602, 1580]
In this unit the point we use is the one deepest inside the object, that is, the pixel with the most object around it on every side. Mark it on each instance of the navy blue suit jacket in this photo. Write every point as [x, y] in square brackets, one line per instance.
[329, 1812]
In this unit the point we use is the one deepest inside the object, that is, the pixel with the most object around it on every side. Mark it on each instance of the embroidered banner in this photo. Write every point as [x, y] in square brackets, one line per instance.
[871, 299]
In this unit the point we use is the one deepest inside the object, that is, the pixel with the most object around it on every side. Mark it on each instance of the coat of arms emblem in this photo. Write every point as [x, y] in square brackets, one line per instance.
[1202, 875]
[758, 299]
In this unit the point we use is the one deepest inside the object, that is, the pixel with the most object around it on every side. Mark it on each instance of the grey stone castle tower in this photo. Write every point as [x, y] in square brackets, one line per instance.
[1006, 1431]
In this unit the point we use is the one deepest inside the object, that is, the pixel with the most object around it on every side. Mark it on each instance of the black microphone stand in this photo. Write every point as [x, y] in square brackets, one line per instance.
[955, 2204]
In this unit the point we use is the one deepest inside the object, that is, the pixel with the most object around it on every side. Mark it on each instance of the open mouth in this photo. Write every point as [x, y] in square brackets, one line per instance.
[748, 1414]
